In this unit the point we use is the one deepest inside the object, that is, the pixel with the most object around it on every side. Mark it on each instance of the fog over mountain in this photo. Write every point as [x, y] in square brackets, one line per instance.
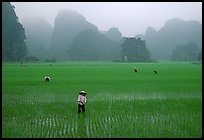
[175, 32]
[130, 18]
[38, 35]
[68, 24]
[113, 34]
[92, 45]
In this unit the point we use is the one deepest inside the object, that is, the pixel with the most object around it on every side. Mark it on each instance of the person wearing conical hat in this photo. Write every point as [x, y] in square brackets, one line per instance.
[81, 101]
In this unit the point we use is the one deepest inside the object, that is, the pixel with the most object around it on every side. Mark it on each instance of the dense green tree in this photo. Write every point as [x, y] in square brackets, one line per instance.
[135, 50]
[200, 55]
[188, 52]
[13, 35]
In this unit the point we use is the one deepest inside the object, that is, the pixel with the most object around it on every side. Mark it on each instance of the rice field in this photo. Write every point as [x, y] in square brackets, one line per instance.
[120, 103]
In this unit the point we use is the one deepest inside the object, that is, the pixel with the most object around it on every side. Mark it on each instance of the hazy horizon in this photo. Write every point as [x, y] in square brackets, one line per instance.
[131, 18]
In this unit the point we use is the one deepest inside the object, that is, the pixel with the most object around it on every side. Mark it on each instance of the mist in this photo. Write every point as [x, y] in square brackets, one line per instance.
[130, 17]
[98, 30]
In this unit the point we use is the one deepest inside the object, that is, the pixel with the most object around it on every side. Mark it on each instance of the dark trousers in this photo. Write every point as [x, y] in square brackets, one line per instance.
[81, 107]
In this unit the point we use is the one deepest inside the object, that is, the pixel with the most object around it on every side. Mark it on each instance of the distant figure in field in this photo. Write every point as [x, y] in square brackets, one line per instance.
[135, 69]
[47, 79]
[155, 72]
[81, 101]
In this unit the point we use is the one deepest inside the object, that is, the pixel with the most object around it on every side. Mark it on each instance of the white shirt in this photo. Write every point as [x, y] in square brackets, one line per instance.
[81, 99]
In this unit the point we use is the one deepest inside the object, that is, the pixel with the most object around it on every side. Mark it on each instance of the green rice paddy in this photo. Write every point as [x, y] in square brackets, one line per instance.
[120, 103]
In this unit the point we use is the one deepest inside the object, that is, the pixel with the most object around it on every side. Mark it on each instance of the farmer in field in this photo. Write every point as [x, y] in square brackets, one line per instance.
[81, 101]
[135, 69]
[47, 79]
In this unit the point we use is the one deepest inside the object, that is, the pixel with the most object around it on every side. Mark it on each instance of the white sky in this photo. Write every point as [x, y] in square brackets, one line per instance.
[131, 18]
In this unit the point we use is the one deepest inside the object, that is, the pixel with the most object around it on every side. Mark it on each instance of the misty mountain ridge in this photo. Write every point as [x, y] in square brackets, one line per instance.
[38, 34]
[175, 32]
[92, 45]
[113, 34]
[69, 24]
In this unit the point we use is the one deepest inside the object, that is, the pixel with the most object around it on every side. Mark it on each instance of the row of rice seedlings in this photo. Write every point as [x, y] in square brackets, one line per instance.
[141, 124]
[47, 126]
[106, 125]
[163, 119]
